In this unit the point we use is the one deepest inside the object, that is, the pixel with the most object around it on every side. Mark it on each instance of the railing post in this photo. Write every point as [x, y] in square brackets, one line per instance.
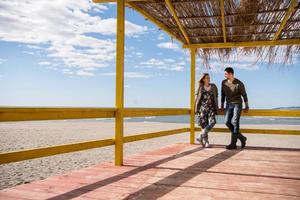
[119, 121]
[192, 96]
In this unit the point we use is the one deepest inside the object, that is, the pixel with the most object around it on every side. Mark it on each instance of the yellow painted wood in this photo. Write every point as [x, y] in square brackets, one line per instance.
[173, 13]
[28, 113]
[257, 131]
[133, 138]
[113, 1]
[25, 113]
[154, 21]
[223, 19]
[119, 122]
[50, 151]
[286, 18]
[192, 96]
[273, 113]
[143, 112]
[244, 44]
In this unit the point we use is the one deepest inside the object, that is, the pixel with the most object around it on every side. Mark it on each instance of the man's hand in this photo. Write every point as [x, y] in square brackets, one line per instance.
[222, 109]
[246, 110]
[246, 107]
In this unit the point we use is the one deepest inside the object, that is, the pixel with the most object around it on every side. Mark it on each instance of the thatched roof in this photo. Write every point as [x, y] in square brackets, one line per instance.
[230, 21]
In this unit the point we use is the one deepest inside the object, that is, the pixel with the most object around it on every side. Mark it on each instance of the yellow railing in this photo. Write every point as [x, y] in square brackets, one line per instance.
[24, 114]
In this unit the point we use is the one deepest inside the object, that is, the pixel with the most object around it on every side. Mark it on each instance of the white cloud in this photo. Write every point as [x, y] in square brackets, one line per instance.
[127, 74]
[65, 29]
[108, 74]
[82, 73]
[168, 45]
[166, 64]
[33, 47]
[2, 60]
[161, 36]
[135, 75]
[68, 72]
[139, 54]
[44, 63]
[29, 52]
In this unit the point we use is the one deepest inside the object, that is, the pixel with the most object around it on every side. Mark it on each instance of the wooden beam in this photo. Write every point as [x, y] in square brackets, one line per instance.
[162, 26]
[119, 121]
[286, 17]
[16, 156]
[152, 2]
[192, 95]
[244, 44]
[173, 13]
[114, 1]
[236, 35]
[239, 35]
[143, 112]
[223, 20]
[30, 114]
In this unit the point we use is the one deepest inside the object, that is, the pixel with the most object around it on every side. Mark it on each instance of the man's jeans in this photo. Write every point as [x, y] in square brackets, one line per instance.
[232, 117]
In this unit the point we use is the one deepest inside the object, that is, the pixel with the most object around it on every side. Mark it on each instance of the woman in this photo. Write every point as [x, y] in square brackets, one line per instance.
[206, 107]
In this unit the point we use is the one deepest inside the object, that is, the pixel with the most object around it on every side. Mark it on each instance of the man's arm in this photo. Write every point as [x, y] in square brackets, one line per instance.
[245, 97]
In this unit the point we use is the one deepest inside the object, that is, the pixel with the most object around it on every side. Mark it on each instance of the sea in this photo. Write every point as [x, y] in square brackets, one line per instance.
[220, 119]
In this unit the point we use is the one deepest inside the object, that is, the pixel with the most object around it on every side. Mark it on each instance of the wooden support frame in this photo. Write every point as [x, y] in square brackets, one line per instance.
[192, 95]
[223, 20]
[244, 44]
[286, 17]
[173, 13]
[119, 121]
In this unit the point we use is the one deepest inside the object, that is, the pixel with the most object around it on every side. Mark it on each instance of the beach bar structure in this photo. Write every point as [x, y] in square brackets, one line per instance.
[179, 171]
[203, 26]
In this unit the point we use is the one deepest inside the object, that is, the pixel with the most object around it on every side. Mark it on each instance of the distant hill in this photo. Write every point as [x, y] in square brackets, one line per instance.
[287, 108]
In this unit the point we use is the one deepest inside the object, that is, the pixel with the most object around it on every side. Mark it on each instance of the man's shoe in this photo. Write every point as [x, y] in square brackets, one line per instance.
[232, 144]
[243, 140]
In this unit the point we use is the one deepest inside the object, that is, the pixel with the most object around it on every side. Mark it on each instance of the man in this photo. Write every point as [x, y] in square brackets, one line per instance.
[233, 89]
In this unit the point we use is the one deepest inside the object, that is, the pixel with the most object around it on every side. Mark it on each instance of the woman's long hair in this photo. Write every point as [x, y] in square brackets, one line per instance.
[201, 82]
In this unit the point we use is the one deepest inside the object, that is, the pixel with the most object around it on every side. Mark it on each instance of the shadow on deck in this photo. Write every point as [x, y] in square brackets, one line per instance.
[179, 171]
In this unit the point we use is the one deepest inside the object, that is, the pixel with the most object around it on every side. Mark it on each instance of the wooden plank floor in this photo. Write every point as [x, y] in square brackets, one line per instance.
[179, 171]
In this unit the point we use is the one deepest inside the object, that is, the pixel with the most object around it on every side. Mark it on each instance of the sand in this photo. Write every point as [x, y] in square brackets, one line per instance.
[27, 135]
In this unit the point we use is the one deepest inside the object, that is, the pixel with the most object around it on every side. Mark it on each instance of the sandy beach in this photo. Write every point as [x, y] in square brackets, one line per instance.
[27, 135]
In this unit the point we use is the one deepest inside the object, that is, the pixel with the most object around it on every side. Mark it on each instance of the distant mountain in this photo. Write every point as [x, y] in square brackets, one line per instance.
[287, 108]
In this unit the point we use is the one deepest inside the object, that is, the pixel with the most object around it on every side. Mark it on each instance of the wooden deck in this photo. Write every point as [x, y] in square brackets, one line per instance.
[179, 171]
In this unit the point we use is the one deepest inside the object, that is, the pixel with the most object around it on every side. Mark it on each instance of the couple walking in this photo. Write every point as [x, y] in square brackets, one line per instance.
[206, 107]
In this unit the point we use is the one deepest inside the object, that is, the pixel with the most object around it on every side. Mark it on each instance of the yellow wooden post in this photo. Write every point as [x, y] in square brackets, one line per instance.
[119, 122]
[192, 96]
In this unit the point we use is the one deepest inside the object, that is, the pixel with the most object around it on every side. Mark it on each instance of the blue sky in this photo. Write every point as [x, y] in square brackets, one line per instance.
[62, 53]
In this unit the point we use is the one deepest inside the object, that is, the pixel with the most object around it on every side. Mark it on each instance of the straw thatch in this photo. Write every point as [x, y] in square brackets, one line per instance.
[245, 20]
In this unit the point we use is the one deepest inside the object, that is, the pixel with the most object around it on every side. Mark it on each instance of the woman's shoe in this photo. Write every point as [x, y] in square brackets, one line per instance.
[207, 145]
[200, 139]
